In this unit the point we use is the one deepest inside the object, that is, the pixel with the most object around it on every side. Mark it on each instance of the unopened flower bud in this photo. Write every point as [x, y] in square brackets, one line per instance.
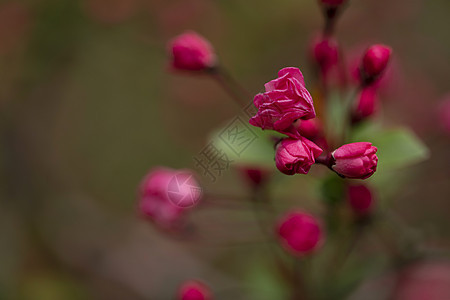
[360, 199]
[192, 52]
[194, 290]
[366, 104]
[299, 232]
[165, 194]
[310, 129]
[375, 61]
[296, 156]
[254, 175]
[355, 160]
[325, 53]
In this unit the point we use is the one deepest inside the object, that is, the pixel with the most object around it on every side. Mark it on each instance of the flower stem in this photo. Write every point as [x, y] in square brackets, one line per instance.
[231, 86]
[259, 196]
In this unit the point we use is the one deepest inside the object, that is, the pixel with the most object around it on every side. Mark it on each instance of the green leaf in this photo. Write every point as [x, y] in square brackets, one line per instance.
[332, 189]
[397, 147]
[245, 144]
[263, 279]
[336, 114]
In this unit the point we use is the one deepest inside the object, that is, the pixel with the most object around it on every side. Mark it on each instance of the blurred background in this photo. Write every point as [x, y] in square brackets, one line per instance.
[88, 106]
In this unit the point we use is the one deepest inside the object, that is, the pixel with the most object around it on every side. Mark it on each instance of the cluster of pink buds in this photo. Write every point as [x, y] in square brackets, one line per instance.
[287, 101]
[287, 107]
[374, 64]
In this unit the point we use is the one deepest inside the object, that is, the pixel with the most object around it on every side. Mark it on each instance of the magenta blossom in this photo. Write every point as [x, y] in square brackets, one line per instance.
[325, 53]
[286, 99]
[375, 60]
[194, 290]
[192, 52]
[310, 129]
[165, 194]
[255, 176]
[366, 104]
[299, 232]
[296, 156]
[355, 160]
[360, 199]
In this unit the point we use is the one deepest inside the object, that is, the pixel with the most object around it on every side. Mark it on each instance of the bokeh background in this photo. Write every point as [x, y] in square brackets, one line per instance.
[88, 106]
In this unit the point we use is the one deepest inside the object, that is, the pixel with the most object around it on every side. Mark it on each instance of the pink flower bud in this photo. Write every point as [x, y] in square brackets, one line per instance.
[254, 175]
[165, 194]
[355, 160]
[360, 199]
[299, 232]
[194, 290]
[286, 99]
[375, 60]
[310, 129]
[295, 156]
[325, 53]
[332, 2]
[190, 51]
[366, 104]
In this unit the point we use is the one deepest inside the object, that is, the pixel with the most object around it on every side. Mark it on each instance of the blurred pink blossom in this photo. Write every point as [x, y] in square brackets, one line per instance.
[194, 290]
[190, 51]
[299, 232]
[360, 199]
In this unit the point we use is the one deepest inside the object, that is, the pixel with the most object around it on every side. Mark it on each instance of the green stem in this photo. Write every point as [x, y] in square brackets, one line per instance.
[348, 107]
[292, 276]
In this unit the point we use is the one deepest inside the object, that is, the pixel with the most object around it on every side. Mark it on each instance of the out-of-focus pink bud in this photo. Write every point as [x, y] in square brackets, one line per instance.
[165, 194]
[194, 290]
[192, 52]
[286, 99]
[254, 175]
[299, 232]
[444, 115]
[360, 199]
[310, 129]
[355, 160]
[375, 61]
[296, 156]
[332, 2]
[366, 104]
[391, 82]
[325, 52]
